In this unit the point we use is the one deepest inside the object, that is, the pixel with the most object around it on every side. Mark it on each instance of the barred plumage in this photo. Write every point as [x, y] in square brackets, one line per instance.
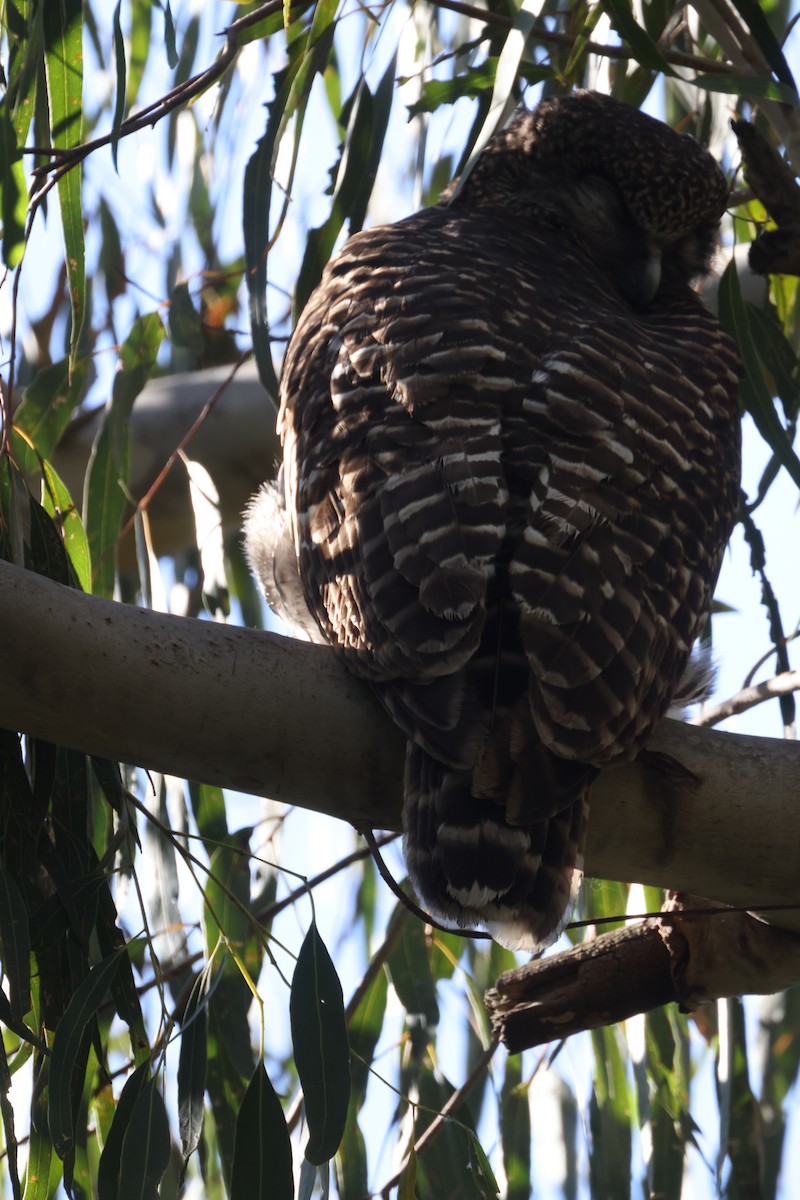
[511, 458]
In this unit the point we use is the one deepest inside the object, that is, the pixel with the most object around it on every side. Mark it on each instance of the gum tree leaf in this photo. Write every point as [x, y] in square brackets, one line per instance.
[321, 1049]
[63, 28]
[146, 1146]
[86, 999]
[262, 1156]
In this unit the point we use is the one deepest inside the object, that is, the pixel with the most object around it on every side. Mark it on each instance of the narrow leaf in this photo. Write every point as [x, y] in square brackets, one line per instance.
[750, 86]
[364, 1030]
[192, 1066]
[768, 44]
[16, 943]
[86, 1000]
[48, 404]
[108, 1169]
[44, 1168]
[407, 1188]
[169, 37]
[146, 1147]
[63, 24]
[321, 1051]
[262, 1157]
[108, 468]
[630, 31]
[9, 1130]
[57, 502]
[411, 975]
[13, 192]
[515, 1131]
[122, 71]
[256, 205]
[754, 392]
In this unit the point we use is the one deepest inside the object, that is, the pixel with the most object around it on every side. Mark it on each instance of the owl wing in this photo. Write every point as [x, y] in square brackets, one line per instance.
[401, 499]
[625, 529]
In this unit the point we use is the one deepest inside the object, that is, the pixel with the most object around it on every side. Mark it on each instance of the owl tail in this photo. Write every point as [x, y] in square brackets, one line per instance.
[470, 866]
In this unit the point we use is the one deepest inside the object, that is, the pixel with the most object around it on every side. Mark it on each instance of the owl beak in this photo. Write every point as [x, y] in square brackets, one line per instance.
[642, 279]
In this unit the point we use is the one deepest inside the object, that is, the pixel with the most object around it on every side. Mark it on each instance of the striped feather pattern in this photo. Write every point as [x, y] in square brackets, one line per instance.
[511, 457]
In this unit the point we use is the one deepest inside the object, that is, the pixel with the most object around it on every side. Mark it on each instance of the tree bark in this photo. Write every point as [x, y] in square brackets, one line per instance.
[700, 811]
[162, 416]
[690, 956]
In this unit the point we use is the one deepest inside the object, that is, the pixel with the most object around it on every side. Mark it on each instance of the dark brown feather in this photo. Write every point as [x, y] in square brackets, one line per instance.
[511, 457]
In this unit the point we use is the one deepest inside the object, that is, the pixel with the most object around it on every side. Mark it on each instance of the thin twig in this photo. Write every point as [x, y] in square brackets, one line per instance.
[265, 915]
[457, 1098]
[751, 674]
[772, 689]
[695, 62]
[410, 903]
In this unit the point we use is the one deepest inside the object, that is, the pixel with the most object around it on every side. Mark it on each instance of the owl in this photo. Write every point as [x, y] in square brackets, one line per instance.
[510, 469]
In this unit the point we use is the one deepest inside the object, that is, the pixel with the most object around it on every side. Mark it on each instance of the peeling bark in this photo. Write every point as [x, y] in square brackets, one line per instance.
[689, 956]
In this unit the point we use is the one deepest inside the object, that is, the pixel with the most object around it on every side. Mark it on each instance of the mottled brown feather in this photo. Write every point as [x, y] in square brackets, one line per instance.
[511, 459]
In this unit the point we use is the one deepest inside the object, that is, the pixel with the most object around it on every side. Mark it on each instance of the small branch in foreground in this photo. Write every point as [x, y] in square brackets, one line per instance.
[781, 685]
[695, 62]
[686, 956]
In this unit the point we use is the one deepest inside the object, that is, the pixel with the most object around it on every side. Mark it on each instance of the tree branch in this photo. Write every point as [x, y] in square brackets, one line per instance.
[700, 811]
[685, 957]
[771, 689]
[167, 410]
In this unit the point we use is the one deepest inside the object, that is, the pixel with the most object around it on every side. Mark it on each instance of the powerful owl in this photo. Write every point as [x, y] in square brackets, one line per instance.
[511, 462]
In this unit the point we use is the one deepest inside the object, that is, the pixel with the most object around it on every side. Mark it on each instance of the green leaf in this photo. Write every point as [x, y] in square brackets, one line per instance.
[610, 1117]
[122, 71]
[9, 1131]
[321, 1050]
[169, 37]
[665, 1092]
[48, 404]
[750, 86]
[410, 971]
[363, 1031]
[631, 32]
[109, 1166]
[407, 1187]
[292, 91]
[768, 44]
[351, 1164]
[57, 502]
[139, 41]
[262, 1157]
[754, 393]
[184, 320]
[484, 1175]
[43, 1173]
[210, 813]
[192, 1066]
[515, 1130]
[87, 998]
[13, 192]
[107, 474]
[445, 1167]
[146, 1146]
[63, 26]
[369, 117]
[46, 554]
[741, 1133]
[16, 943]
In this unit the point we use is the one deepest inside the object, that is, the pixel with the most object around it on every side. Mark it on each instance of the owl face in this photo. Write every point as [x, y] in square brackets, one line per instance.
[641, 201]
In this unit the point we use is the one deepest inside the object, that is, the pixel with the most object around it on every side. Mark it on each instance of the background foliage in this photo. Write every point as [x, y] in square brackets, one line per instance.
[173, 1023]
